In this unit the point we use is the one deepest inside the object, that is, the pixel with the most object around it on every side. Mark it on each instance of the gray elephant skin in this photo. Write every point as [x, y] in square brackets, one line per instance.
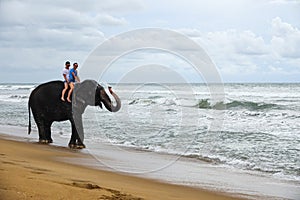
[46, 106]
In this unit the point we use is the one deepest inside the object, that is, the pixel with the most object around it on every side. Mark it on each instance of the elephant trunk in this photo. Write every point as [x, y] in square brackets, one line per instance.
[109, 106]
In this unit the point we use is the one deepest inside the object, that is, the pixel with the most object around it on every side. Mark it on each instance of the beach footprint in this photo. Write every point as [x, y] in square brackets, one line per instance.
[84, 185]
[114, 194]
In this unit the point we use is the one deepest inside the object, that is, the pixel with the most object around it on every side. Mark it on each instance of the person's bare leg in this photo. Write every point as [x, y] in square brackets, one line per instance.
[70, 92]
[64, 91]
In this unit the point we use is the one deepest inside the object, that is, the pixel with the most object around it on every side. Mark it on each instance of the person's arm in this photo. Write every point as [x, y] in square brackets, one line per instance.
[73, 74]
[76, 77]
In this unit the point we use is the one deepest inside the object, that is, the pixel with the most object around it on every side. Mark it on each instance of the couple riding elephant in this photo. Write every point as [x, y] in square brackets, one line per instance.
[47, 107]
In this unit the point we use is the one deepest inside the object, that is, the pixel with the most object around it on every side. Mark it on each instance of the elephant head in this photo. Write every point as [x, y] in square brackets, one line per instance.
[102, 97]
[89, 92]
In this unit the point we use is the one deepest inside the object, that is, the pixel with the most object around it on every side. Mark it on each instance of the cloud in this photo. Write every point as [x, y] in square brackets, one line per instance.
[284, 2]
[146, 47]
[241, 42]
[230, 41]
[46, 33]
[31, 19]
[286, 39]
[110, 20]
[232, 50]
[240, 53]
[15, 14]
[103, 6]
[35, 34]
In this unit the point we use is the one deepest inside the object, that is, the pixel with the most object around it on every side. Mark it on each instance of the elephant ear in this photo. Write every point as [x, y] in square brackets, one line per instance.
[85, 91]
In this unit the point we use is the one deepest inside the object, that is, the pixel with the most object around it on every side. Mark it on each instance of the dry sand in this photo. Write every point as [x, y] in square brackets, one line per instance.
[32, 171]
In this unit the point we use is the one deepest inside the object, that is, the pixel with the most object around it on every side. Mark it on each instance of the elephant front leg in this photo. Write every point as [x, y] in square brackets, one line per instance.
[72, 143]
[80, 135]
[77, 136]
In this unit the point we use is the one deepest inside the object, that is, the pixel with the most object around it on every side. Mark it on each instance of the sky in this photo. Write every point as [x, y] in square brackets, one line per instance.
[247, 40]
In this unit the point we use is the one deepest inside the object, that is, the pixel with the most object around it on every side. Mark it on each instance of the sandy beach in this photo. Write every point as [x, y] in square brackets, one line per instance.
[32, 171]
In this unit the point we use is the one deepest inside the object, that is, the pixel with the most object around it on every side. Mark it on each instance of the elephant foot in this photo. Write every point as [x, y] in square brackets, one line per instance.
[43, 141]
[72, 146]
[80, 146]
[76, 146]
[50, 140]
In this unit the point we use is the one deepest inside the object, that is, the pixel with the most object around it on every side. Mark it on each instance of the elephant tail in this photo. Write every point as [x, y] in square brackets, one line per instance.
[29, 121]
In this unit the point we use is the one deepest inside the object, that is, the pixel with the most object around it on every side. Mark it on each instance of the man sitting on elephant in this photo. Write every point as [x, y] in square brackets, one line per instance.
[73, 77]
[66, 80]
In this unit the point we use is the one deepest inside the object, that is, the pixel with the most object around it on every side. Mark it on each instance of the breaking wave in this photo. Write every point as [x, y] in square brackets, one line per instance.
[205, 104]
[154, 100]
[16, 87]
[18, 97]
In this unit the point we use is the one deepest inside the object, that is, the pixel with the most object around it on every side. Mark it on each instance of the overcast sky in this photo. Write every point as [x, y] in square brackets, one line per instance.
[248, 40]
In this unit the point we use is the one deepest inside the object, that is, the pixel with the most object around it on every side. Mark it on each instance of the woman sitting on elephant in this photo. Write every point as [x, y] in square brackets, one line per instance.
[73, 77]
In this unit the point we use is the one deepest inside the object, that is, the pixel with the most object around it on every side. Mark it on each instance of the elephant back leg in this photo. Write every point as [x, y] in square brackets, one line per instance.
[48, 132]
[40, 122]
[42, 132]
[44, 128]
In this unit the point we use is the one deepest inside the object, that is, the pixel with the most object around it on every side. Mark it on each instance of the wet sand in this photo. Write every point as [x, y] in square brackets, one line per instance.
[34, 171]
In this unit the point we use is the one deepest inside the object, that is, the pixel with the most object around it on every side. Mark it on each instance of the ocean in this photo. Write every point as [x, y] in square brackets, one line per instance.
[257, 127]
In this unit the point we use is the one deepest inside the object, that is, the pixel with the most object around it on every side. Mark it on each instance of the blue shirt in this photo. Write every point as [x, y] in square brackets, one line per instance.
[71, 77]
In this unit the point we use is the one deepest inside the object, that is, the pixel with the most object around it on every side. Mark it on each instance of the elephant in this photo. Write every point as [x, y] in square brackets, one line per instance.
[46, 106]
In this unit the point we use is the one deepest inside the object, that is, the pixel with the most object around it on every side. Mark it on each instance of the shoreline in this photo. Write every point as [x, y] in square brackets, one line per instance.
[32, 171]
